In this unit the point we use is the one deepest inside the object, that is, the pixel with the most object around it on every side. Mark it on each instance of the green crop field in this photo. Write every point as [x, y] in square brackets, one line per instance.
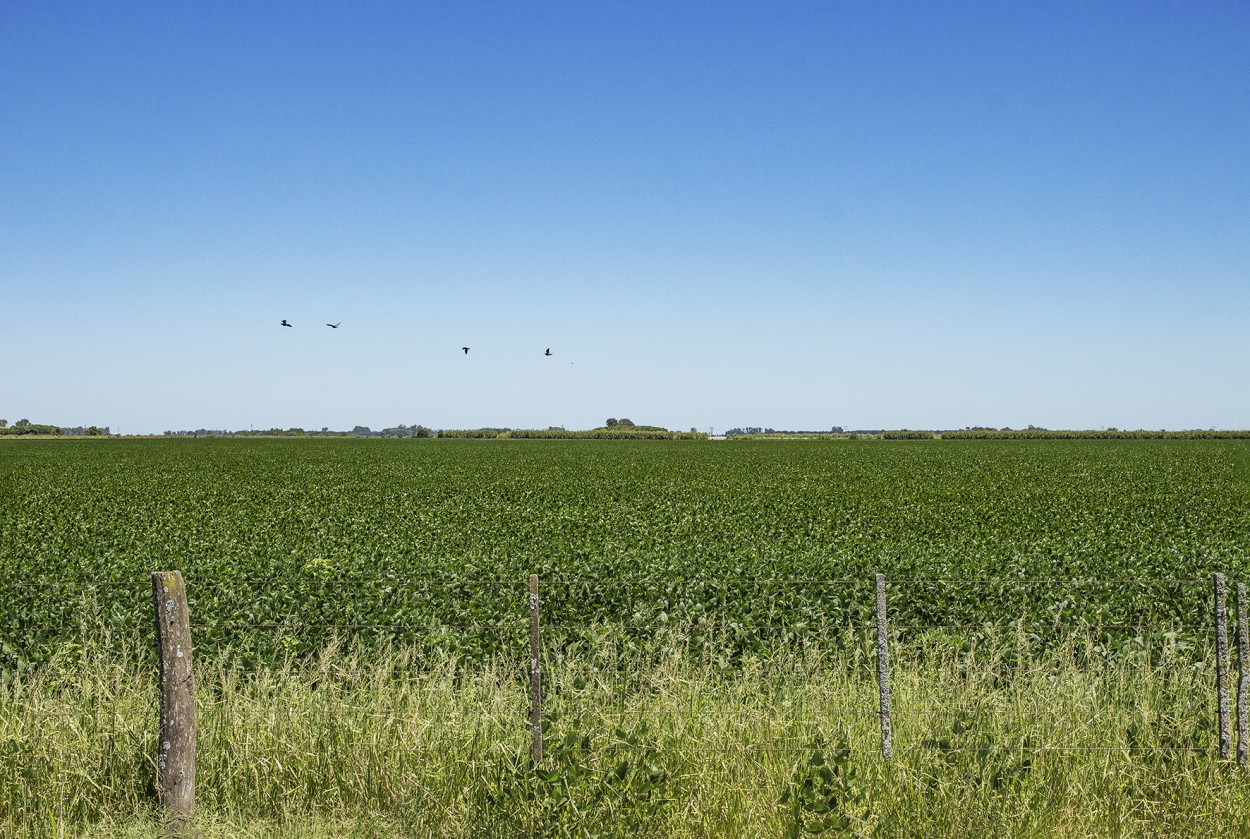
[310, 558]
[110, 509]
[362, 531]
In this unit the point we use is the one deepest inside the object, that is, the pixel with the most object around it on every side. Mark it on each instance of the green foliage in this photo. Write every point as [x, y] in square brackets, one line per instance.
[581, 787]
[1105, 434]
[26, 427]
[470, 433]
[621, 430]
[379, 740]
[823, 794]
[730, 561]
[284, 541]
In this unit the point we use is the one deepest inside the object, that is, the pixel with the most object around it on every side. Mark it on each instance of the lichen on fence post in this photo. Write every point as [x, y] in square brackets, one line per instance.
[883, 670]
[175, 762]
[536, 693]
[1243, 678]
[1221, 663]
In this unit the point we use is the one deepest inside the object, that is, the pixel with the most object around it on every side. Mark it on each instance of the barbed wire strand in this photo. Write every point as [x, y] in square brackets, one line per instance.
[804, 746]
[682, 626]
[421, 626]
[620, 581]
[1024, 748]
[1072, 581]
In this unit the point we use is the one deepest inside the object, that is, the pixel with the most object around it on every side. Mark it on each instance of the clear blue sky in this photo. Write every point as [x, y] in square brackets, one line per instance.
[716, 214]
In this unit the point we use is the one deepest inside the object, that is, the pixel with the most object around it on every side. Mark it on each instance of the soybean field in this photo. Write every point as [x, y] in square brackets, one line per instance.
[359, 617]
[739, 543]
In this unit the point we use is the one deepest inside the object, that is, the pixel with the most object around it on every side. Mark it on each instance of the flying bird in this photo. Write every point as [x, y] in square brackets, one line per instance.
[284, 323]
[333, 325]
[548, 352]
[466, 350]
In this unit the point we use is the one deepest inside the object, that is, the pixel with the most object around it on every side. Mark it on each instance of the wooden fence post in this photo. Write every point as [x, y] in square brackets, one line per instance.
[883, 670]
[175, 762]
[1243, 678]
[536, 693]
[1221, 663]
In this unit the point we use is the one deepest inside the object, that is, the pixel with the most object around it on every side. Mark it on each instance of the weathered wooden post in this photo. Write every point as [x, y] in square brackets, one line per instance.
[536, 692]
[883, 670]
[175, 762]
[1243, 678]
[1221, 663]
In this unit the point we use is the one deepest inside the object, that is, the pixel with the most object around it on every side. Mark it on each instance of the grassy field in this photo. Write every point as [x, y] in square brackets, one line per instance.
[704, 605]
[341, 745]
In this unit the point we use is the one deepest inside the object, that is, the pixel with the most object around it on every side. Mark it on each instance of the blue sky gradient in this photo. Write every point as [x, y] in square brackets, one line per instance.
[794, 215]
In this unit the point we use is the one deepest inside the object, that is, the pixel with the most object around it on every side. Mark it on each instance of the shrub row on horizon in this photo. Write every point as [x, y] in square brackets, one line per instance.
[648, 432]
[657, 433]
[1006, 434]
[617, 433]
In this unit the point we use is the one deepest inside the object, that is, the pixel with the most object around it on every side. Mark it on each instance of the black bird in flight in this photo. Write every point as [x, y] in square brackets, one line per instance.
[548, 352]
[333, 325]
[284, 323]
[466, 350]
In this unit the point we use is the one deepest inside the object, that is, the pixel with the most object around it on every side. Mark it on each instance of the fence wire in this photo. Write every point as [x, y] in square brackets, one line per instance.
[448, 609]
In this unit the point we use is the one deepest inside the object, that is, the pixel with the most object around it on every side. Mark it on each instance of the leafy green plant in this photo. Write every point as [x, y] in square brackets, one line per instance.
[823, 794]
[580, 789]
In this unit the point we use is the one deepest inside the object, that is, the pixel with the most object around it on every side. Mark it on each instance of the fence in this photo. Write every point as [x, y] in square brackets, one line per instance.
[573, 612]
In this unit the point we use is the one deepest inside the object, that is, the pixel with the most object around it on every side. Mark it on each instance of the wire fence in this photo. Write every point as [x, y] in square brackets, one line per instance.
[1091, 627]
[1118, 618]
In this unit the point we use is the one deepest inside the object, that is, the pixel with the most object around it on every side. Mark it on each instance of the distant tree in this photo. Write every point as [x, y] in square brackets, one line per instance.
[611, 423]
[361, 431]
[93, 431]
[22, 423]
[625, 422]
[4, 423]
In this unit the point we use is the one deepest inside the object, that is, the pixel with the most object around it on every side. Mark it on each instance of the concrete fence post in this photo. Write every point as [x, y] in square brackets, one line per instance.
[883, 670]
[1221, 663]
[536, 676]
[175, 761]
[1243, 678]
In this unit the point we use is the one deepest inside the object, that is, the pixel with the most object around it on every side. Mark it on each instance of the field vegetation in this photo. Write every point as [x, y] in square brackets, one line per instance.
[360, 630]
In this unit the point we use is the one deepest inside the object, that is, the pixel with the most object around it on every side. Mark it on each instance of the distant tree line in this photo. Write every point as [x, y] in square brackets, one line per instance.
[1105, 434]
[626, 429]
[837, 430]
[358, 431]
[88, 431]
[986, 433]
[616, 432]
[394, 431]
[25, 426]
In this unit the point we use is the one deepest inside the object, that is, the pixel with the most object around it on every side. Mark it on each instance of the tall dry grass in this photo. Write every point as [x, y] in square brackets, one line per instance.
[376, 742]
